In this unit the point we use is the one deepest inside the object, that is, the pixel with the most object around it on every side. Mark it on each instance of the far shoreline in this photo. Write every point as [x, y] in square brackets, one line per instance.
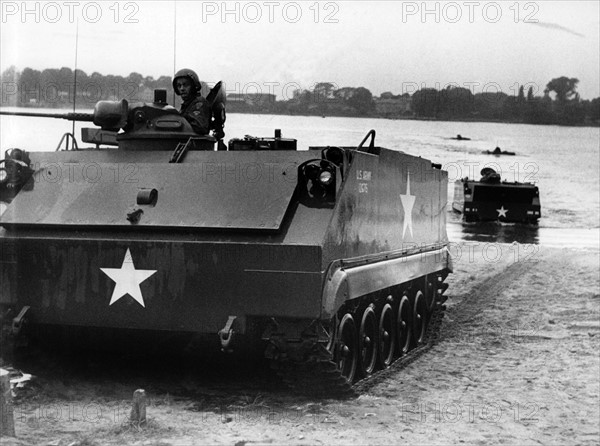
[317, 115]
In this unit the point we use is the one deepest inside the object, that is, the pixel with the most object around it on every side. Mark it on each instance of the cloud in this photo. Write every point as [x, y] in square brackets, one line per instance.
[556, 26]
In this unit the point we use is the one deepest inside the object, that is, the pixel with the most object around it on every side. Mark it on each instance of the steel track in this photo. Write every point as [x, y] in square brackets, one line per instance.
[323, 379]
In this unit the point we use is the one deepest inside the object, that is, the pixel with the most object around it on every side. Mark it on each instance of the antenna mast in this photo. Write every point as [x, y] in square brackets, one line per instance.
[75, 81]
[174, 43]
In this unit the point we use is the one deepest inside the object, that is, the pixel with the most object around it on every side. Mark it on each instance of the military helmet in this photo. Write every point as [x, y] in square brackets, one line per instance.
[191, 74]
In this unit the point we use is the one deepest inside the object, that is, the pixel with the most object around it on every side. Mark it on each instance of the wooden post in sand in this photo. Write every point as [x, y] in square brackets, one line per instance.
[7, 422]
[138, 407]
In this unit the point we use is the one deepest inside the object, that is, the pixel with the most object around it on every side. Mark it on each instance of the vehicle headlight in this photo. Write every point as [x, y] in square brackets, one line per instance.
[326, 177]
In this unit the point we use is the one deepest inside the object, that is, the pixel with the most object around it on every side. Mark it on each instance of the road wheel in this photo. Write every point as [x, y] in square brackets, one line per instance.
[387, 340]
[404, 326]
[367, 342]
[430, 297]
[346, 354]
[419, 318]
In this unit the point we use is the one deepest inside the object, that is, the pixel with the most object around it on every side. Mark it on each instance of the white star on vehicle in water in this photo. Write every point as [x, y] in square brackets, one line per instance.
[127, 280]
[408, 201]
[502, 212]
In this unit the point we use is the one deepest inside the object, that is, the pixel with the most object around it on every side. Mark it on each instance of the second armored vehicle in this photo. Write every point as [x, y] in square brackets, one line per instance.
[490, 199]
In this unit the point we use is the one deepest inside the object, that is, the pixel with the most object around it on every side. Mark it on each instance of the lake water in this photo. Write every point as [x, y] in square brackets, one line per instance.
[563, 161]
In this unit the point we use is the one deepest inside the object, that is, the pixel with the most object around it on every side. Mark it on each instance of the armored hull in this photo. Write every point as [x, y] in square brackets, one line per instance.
[334, 255]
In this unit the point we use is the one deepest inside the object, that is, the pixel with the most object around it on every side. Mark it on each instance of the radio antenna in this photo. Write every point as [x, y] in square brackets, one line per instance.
[75, 82]
[174, 44]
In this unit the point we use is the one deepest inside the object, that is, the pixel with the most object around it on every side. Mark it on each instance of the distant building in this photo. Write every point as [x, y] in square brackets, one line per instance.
[391, 106]
[251, 99]
[344, 93]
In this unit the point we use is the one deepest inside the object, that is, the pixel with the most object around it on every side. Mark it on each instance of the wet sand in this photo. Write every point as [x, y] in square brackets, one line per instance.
[518, 363]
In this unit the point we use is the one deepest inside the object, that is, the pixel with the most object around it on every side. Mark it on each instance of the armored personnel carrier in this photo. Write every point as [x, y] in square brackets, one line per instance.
[331, 259]
[490, 199]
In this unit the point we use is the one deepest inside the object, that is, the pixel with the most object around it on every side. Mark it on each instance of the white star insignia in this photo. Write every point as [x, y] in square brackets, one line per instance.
[502, 212]
[127, 280]
[408, 201]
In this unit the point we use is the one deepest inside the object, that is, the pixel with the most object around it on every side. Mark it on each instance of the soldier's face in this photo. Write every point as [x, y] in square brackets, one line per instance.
[184, 88]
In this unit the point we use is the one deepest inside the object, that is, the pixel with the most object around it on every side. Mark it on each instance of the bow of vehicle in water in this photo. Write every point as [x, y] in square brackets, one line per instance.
[489, 199]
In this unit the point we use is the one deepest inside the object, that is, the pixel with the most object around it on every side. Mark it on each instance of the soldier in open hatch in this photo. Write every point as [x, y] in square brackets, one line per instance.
[194, 108]
[204, 114]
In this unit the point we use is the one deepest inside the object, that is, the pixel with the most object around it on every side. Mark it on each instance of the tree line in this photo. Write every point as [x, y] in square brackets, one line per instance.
[566, 108]
[58, 88]
[560, 103]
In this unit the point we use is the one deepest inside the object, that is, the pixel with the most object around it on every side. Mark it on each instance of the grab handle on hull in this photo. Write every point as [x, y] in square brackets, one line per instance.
[226, 334]
[371, 133]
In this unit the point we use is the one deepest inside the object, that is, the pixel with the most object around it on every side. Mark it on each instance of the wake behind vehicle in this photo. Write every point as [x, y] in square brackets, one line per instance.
[331, 259]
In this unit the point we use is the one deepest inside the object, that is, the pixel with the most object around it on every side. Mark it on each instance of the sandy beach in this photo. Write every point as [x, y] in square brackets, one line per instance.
[517, 363]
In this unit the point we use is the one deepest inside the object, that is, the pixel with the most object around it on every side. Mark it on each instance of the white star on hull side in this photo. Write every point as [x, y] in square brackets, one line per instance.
[502, 212]
[127, 280]
[408, 202]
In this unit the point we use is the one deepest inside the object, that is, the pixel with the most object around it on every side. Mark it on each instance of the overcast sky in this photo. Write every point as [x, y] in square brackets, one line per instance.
[280, 46]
